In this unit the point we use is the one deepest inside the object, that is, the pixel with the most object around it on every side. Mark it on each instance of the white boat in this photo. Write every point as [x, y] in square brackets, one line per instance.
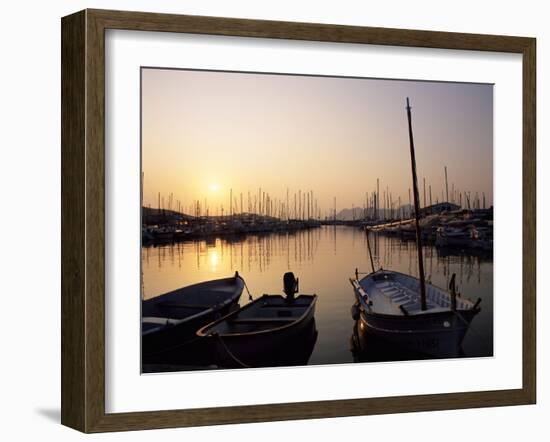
[406, 311]
[389, 307]
[170, 320]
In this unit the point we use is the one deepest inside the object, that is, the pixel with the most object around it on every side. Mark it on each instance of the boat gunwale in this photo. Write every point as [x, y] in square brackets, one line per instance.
[409, 332]
[178, 322]
[467, 299]
[374, 314]
[423, 315]
[188, 287]
[202, 331]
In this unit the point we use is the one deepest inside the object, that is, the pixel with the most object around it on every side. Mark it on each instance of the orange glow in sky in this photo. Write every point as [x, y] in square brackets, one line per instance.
[205, 134]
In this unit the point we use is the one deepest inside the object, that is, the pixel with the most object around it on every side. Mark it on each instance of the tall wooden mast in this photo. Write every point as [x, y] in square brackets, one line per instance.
[417, 214]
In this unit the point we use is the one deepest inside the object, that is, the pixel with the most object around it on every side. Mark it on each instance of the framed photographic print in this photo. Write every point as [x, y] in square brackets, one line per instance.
[254, 210]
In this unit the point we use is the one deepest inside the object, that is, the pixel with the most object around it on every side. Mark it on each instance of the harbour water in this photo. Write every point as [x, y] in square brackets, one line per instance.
[323, 259]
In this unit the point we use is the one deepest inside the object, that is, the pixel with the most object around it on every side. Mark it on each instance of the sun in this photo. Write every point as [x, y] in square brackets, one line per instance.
[214, 187]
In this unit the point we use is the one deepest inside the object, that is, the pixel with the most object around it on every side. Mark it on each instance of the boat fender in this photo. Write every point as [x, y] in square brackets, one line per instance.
[355, 312]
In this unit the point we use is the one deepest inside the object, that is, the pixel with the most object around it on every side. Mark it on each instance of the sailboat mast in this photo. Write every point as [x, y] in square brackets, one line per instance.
[446, 185]
[417, 213]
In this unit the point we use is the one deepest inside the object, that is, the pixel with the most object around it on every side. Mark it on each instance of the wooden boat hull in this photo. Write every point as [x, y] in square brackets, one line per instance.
[283, 348]
[436, 335]
[380, 310]
[164, 343]
[287, 345]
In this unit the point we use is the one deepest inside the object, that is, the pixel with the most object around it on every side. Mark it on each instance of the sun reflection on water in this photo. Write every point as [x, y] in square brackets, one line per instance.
[213, 259]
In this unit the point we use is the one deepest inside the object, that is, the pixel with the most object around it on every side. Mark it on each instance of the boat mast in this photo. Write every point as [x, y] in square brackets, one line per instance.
[417, 214]
[446, 185]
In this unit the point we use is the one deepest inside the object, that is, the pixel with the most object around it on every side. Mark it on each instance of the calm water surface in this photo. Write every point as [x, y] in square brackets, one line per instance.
[324, 259]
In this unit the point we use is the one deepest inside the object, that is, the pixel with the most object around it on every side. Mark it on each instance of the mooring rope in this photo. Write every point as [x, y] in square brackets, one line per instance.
[250, 298]
[231, 355]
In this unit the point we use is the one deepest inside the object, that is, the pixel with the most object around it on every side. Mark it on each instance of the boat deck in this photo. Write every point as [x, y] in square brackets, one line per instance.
[390, 292]
[266, 313]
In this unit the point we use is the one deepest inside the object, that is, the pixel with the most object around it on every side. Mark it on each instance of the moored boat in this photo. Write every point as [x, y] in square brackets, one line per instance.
[406, 311]
[170, 320]
[482, 238]
[268, 331]
[453, 237]
[389, 307]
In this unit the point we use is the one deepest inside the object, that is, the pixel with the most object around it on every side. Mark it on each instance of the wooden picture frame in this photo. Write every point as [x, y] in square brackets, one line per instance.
[83, 219]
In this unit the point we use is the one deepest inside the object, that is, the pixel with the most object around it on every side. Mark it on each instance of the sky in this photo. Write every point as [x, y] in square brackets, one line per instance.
[205, 133]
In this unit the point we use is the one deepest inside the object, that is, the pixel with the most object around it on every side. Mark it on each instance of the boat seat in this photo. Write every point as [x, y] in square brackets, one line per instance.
[410, 303]
[154, 320]
[390, 289]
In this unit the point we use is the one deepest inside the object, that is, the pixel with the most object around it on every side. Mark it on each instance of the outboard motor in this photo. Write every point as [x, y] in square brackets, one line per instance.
[290, 284]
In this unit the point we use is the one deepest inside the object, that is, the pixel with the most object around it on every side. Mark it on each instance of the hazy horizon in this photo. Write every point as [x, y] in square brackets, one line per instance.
[205, 133]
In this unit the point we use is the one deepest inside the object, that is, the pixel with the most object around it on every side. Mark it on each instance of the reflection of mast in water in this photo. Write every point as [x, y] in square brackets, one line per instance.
[375, 247]
[300, 239]
[308, 245]
[469, 271]
[269, 247]
[409, 247]
[171, 254]
[296, 248]
[309, 240]
[287, 245]
[387, 245]
[160, 257]
[261, 252]
[197, 253]
[465, 266]
[249, 254]
[242, 260]
[478, 261]
[431, 262]
[400, 249]
[334, 233]
[230, 255]
[461, 271]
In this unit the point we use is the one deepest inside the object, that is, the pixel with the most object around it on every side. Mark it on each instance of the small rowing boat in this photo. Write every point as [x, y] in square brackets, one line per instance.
[169, 320]
[265, 332]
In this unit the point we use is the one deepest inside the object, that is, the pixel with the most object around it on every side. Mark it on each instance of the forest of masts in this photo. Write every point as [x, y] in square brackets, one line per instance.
[303, 205]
